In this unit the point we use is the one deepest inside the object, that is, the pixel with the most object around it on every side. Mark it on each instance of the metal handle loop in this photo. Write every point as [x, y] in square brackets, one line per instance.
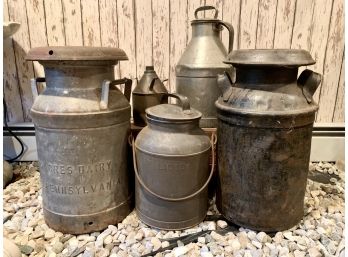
[310, 81]
[141, 182]
[204, 8]
[33, 84]
[104, 101]
[230, 29]
[184, 101]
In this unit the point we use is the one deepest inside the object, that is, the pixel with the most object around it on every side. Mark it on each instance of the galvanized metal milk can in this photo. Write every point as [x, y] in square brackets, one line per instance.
[171, 162]
[149, 91]
[264, 137]
[82, 124]
[199, 65]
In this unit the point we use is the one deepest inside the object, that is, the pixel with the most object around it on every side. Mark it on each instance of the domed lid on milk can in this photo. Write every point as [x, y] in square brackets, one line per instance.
[170, 113]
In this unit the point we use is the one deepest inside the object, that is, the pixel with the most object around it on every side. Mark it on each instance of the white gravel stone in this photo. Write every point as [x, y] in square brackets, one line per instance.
[179, 251]
[222, 224]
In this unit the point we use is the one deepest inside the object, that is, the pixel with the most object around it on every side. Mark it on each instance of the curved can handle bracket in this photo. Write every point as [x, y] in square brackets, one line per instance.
[310, 81]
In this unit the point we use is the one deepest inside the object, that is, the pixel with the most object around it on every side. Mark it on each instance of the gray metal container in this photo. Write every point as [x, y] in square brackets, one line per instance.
[171, 160]
[149, 91]
[82, 124]
[201, 62]
[264, 138]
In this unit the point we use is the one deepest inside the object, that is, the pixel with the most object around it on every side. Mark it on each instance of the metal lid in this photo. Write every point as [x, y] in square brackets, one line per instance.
[167, 113]
[76, 53]
[270, 57]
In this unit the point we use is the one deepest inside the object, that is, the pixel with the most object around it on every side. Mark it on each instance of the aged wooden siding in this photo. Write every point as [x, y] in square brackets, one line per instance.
[156, 32]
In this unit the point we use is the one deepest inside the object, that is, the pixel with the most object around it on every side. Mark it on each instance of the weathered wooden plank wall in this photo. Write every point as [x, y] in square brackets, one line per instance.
[157, 32]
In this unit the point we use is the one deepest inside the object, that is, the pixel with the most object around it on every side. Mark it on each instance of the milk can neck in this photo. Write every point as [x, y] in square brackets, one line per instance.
[201, 29]
[265, 74]
[73, 76]
[174, 126]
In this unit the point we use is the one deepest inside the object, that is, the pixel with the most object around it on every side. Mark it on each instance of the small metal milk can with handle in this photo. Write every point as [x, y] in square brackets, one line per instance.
[149, 91]
[265, 122]
[201, 62]
[171, 162]
[82, 123]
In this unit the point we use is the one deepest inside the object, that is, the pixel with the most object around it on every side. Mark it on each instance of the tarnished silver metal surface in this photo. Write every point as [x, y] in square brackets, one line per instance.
[149, 91]
[199, 65]
[172, 167]
[264, 138]
[82, 125]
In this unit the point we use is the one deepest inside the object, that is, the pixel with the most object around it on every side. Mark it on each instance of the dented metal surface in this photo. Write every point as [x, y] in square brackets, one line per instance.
[82, 126]
[264, 138]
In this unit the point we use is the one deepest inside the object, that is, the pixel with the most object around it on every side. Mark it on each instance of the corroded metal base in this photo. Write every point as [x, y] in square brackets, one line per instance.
[81, 224]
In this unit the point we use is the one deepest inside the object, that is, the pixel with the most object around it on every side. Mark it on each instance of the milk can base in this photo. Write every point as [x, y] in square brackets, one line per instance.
[178, 225]
[81, 224]
[262, 228]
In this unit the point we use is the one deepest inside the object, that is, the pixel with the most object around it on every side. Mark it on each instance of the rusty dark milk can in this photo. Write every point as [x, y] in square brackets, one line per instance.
[264, 137]
[149, 91]
[171, 160]
[199, 65]
[82, 123]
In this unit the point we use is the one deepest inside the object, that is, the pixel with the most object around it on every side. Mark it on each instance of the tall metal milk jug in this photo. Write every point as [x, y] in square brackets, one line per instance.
[264, 137]
[82, 123]
[199, 65]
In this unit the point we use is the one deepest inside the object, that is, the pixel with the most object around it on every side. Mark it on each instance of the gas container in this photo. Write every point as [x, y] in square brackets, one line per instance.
[149, 91]
[265, 121]
[171, 160]
[82, 123]
[200, 63]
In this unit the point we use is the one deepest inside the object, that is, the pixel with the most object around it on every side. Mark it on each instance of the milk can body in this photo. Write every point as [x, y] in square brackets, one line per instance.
[82, 123]
[264, 138]
[172, 168]
[200, 63]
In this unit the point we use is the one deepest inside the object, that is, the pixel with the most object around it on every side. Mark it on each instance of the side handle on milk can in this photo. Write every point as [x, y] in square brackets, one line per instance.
[33, 85]
[142, 183]
[225, 84]
[104, 101]
[310, 81]
[230, 29]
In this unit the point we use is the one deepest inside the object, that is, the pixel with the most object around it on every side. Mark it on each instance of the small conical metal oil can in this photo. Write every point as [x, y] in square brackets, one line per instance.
[82, 124]
[201, 62]
[171, 162]
[264, 137]
[150, 91]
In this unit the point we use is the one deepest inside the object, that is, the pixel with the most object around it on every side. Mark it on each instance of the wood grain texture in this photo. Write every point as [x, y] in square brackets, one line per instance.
[160, 44]
[178, 31]
[266, 23]
[332, 67]
[301, 37]
[339, 105]
[320, 24]
[55, 22]
[72, 22]
[284, 23]
[143, 16]
[21, 42]
[90, 22]
[109, 26]
[11, 87]
[126, 37]
[248, 25]
[231, 14]
[37, 29]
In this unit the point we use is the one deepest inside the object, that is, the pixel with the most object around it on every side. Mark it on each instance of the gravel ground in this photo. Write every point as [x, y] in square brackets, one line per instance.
[320, 233]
